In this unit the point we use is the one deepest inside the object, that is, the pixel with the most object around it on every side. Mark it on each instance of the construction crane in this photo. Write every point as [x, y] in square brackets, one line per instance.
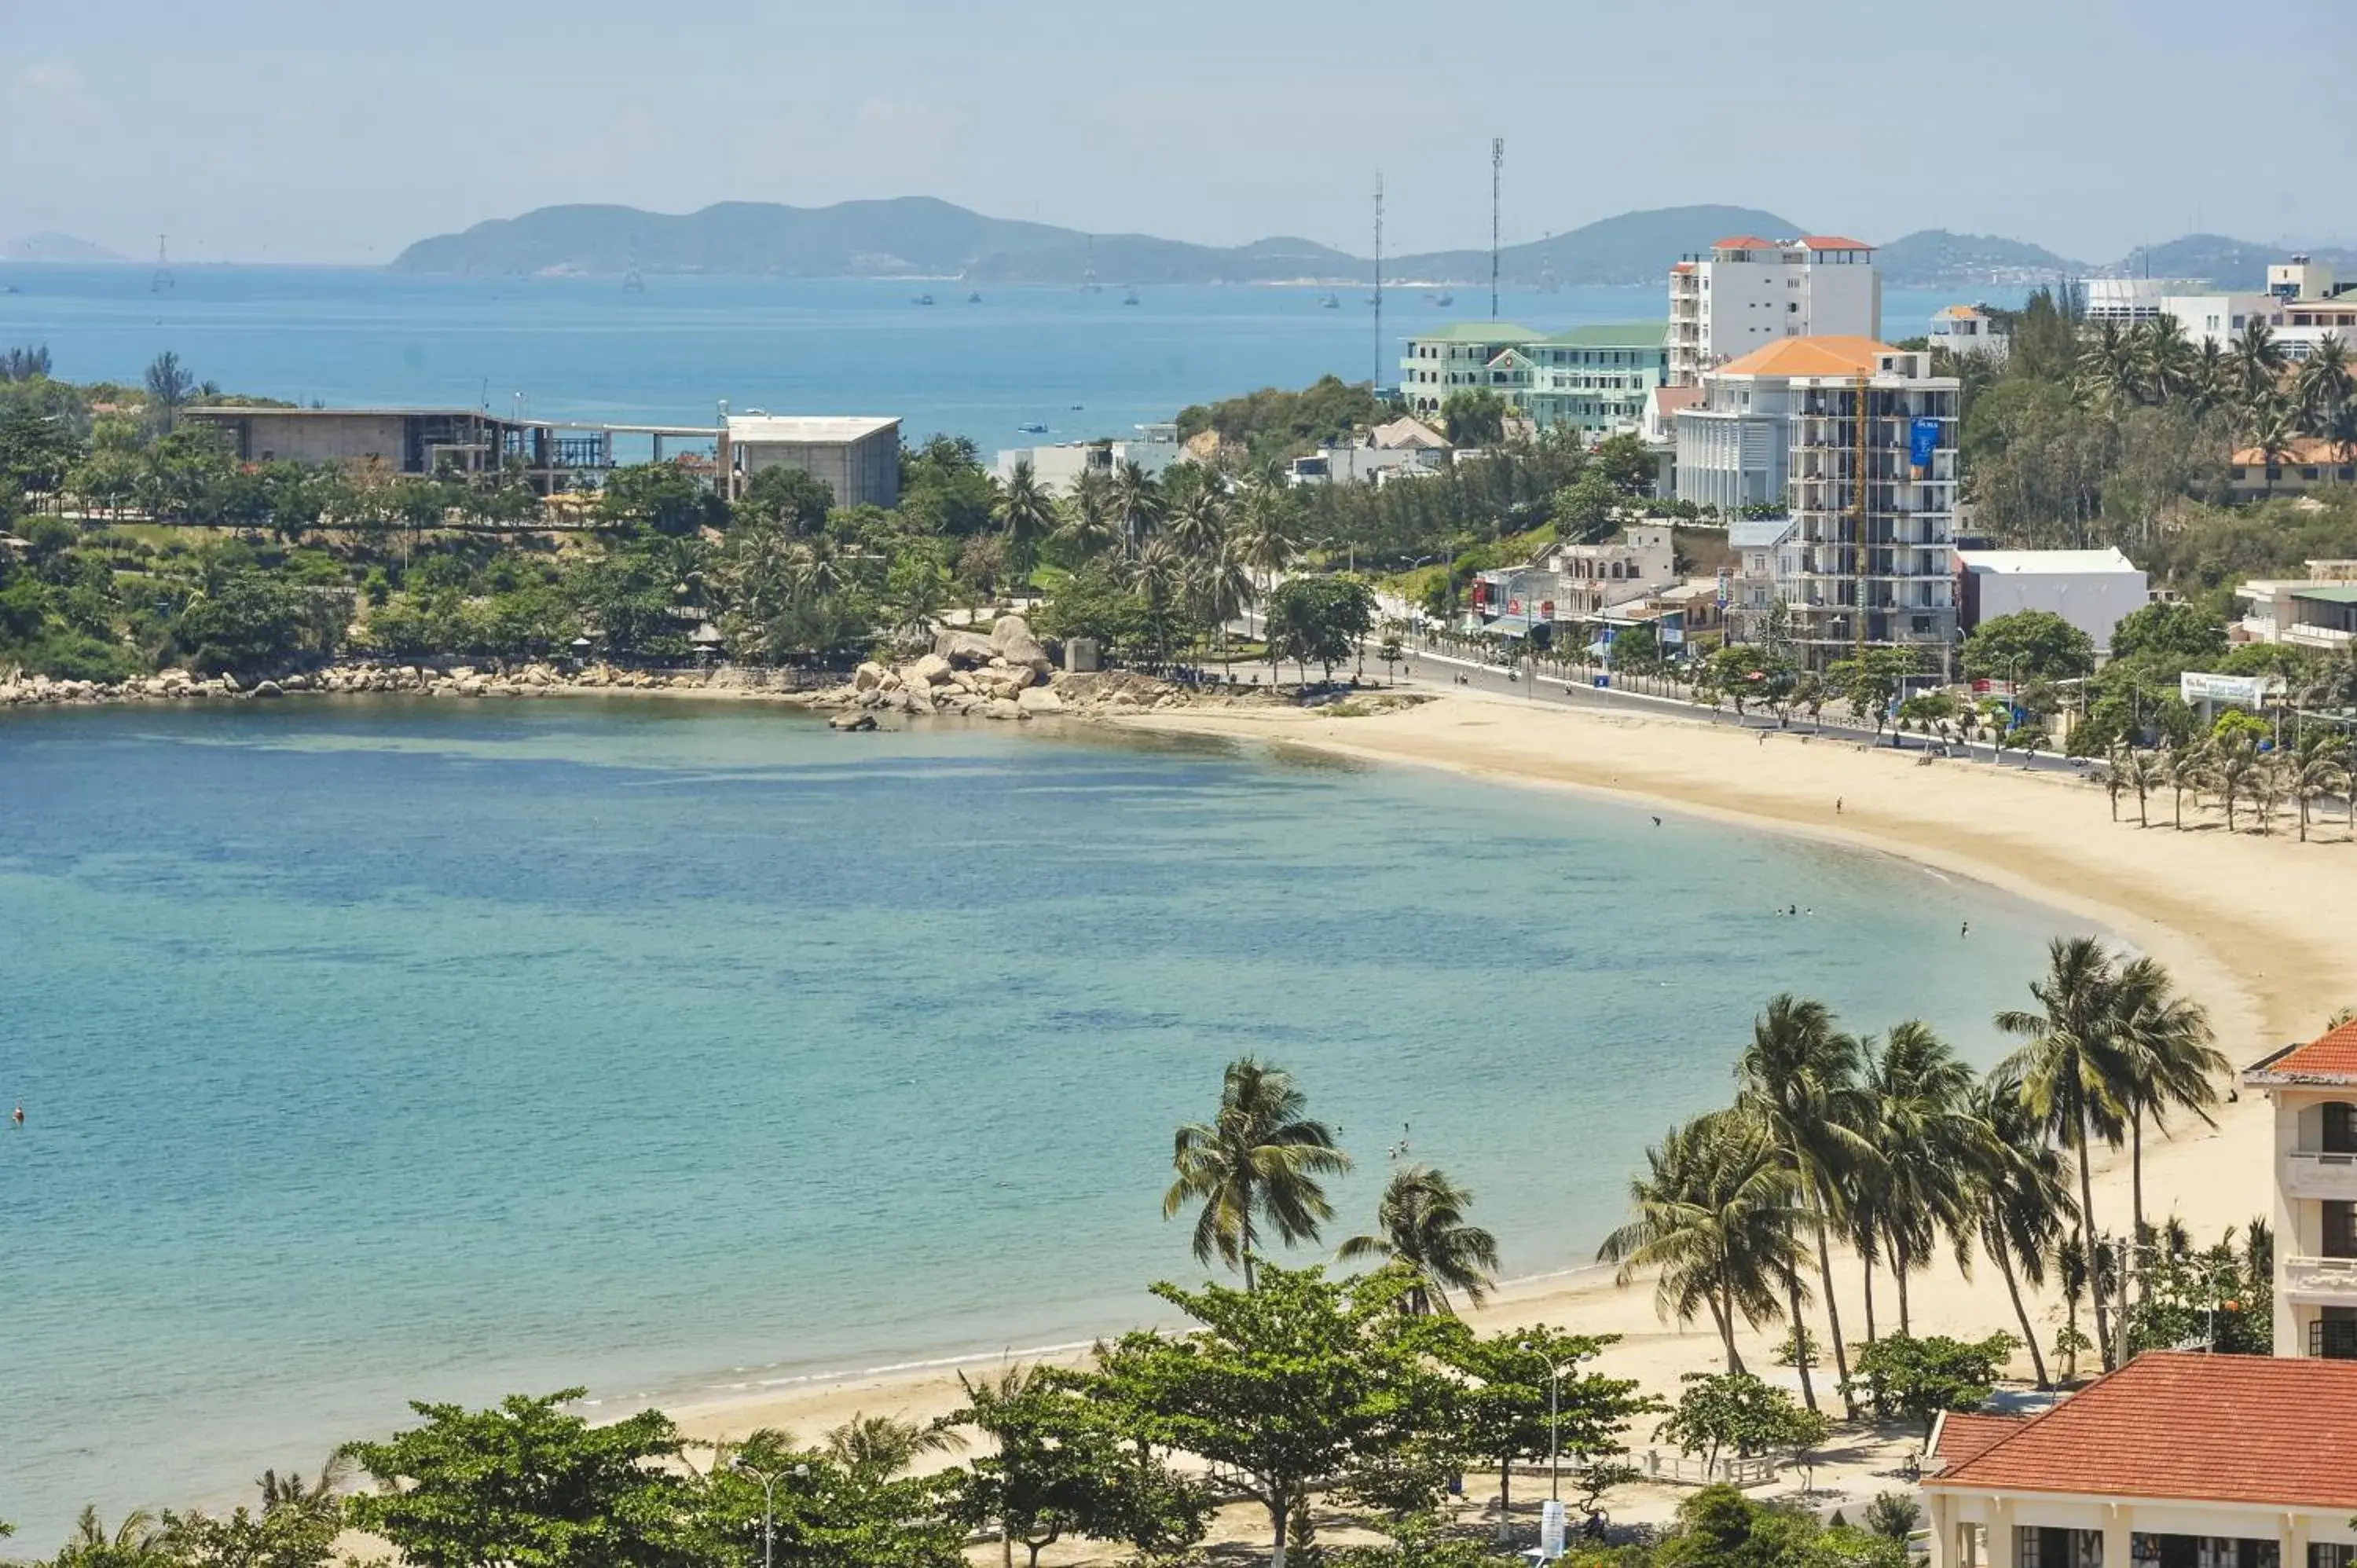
[1497, 171]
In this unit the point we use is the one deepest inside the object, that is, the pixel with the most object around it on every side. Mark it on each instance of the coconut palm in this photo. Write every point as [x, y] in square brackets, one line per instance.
[2108, 369]
[1220, 589]
[2256, 362]
[2232, 769]
[2322, 386]
[2142, 772]
[2071, 1070]
[2071, 1277]
[2314, 774]
[136, 1536]
[1084, 525]
[1420, 1222]
[2209, 376]
[1799, 1077]
[1932, 1144]
[1257, 1161]
[1197, 520]
[2167, 1060]
[1719, 1220]
[1025, 513]
[2020, 1201]
[1137, 504]
[316, 1496]
[2182, 767]
[2164, 360]
[877, 1447]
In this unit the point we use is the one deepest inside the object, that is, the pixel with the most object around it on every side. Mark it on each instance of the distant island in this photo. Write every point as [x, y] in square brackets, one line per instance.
[57, 248]
[925, 237]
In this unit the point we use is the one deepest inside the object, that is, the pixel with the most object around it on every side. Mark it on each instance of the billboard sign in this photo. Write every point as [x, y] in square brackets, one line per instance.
[1922, 440]
[2238, 691]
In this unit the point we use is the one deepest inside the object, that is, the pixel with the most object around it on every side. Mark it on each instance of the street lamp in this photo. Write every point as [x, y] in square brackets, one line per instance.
[769, 1480]
[1555, 1397]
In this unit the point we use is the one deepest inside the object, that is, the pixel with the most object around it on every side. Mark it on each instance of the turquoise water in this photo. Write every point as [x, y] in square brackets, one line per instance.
[581, 348]
[382, 1051]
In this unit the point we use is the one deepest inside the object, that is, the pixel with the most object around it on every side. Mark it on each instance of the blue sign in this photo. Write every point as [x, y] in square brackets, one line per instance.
[1922, 440]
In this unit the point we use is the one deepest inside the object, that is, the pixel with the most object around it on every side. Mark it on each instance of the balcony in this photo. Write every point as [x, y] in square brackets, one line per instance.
[2328, 1280]
[2309, 1173]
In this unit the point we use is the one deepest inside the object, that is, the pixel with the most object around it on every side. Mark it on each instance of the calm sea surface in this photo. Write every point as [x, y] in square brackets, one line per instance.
[582, 349]
[382, 1051]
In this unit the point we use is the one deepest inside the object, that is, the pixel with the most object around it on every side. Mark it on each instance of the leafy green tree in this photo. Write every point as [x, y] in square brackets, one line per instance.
[1474, 416]
[662, 497]
[1901, 1375]
[1736, 1411]
[1319, 619]
[2173, 630]
[1055, 1465]
[1094, 603]
[525, 1485]
[1718, 1526]
[1257, 1161]
[1300, 1381]
[2027, 643]
[1894, 1515]
[1870, 681]
[1420, 1224]
[135, 1541]
[793, 500]
[296, 1527]
[1583, 510]
[1627, 462]
[251, 622]
[1510, 1408]
[823, 1513]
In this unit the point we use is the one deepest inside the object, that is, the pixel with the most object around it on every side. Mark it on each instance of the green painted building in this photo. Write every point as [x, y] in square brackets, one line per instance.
[1593, 378]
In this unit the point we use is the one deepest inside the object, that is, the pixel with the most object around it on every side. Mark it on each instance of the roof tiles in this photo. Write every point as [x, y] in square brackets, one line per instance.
[2239, 1429]
[1810, 357]
[2331, 1057]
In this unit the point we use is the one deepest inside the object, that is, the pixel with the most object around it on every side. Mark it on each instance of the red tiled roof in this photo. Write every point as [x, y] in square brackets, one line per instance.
[1961, 1436]
[1833, 242]
[1742, 242]
[2301, 450]
[2331, 1056]
[1681, 266]
[1833, 356]
[2238, 1429]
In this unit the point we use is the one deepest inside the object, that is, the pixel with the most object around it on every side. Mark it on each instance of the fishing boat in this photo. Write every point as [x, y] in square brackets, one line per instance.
[975, 298]
[1329, 303]
[1031, 429]
[922, 299]
[1444, 299]
[1130, 298]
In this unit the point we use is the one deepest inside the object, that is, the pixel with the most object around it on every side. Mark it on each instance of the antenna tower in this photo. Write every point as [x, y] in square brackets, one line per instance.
[161, 279]
[1497, 169]
[633, 280]
[1379, 282]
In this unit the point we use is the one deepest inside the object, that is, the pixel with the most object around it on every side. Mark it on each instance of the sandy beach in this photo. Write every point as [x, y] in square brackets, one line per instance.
[2261, 931]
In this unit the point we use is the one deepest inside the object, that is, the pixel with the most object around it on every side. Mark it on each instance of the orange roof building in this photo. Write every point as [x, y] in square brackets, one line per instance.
[2204, 1461]
[1812, 357]
[2313, 1087]
[1746, 292]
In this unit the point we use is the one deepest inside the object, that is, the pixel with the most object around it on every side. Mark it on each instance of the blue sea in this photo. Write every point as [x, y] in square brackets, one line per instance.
[380, 1050]
[1082, 364]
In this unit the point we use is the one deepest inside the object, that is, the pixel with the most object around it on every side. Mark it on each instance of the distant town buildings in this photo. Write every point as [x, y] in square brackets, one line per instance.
[2317, 611]
[1402, 449]
[857, 457]
[1970, 329]
[2091, 589]
[2302, 306]
[1748, 292]
[1059, 467]
[2253, 473]
[1594, 379]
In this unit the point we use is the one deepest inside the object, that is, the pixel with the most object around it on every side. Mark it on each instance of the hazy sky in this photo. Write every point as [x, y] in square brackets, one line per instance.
[315, 130]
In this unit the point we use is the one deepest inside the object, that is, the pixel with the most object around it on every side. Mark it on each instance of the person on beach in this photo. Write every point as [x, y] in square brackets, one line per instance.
[1966, 929]
[1837, 805]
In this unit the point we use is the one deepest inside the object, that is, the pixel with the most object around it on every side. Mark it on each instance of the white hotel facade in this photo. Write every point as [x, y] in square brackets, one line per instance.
[1746, 293]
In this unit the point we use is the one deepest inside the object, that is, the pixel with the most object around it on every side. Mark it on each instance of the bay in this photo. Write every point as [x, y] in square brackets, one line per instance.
[380, 1050]
[1085, 364]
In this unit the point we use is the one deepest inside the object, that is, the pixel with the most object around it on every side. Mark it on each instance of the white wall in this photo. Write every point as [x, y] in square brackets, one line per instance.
[2094, 602]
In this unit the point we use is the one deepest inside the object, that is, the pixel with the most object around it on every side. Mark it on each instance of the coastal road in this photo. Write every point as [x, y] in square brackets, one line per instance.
[1431, 669]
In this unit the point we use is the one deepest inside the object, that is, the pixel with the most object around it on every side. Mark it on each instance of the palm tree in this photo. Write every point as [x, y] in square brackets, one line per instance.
[1085, 528]
[2167, 1060]
[136, 1536]
[1197, 521]
[2070, 1071]
[1420, 1222]
[316, 1496]
[1137, 502]
[1263, 531]
[2164, 359]
[1799, 1078]
[2018, 1193]
[2142, 772]
[1931, 1142]
[2070, 1274]
[2256, 362]
[877, 1447]
[1025, 513]
[2108, 370]
[2322, 386]
[1259, 1159]
[2315, 774]
[2233, 764]
[1719, 1217]
[1221, 590]
[2182, 767]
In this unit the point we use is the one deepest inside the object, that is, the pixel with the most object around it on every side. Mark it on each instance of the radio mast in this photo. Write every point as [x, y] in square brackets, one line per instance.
[1497, 167]
[1378, 385]
[161, 279]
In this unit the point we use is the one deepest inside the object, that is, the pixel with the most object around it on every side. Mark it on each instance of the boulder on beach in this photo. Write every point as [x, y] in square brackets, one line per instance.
[1039, 701]
[964, 649]
[1013, 639]
[999, 708]
[852, 719]
[930, 671]
[868, 674]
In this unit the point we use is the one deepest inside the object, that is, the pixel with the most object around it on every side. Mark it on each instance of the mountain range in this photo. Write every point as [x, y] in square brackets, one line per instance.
[56, 248]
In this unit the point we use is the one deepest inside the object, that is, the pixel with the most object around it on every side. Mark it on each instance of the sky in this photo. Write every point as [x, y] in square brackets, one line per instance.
[326, 131]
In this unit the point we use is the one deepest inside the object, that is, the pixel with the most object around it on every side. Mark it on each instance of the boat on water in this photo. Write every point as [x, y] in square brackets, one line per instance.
[1329, 303]
[975, 298]
[1444, 300]
[1034, 429]
[922, 299]
[1130, 298]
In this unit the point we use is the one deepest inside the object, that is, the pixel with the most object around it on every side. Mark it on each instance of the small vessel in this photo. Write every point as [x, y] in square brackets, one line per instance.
[1444, 299]
[1329, 303]
[975, 298]
[1031, 429]
[922, 299]
[1130, 298]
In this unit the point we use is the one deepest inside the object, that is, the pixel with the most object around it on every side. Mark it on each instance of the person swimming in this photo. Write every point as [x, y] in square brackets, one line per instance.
[17, 1116]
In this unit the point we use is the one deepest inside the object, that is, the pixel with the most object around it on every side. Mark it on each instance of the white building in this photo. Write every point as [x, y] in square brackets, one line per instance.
[1970, 329]
[2302, 306]
[1059, 467]
[857, 457]
[1749, 292]
[1387, 452]
[2318, 611]
[1577, 583]
[2131, 300]
[2091, 589]
[2314, 1088]
[2174, 1461]
[1757, 543]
